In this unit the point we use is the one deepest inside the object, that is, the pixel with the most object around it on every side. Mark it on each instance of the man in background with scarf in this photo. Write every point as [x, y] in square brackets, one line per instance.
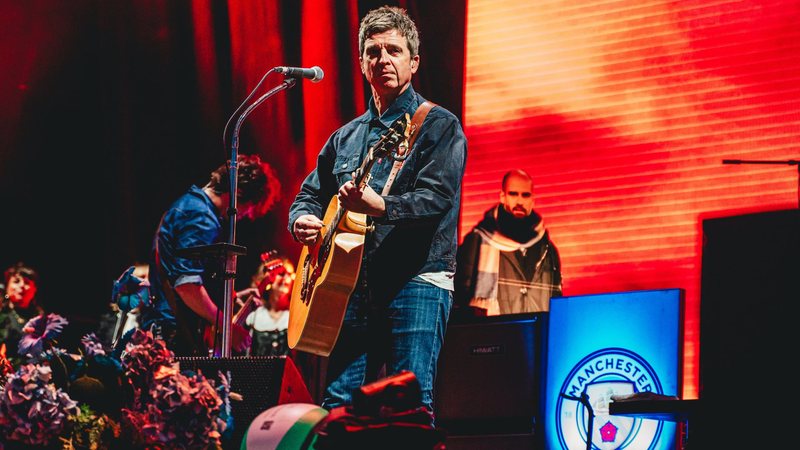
[507, 264]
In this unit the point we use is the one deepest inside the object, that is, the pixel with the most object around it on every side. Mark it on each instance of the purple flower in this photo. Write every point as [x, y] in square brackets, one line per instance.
[92, 345]
[183, 408]
[169, 406]
[32, 410]
[141, 359]
[40, 331]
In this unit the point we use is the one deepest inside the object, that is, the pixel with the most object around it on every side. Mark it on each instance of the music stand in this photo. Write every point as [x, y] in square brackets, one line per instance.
[218, 250]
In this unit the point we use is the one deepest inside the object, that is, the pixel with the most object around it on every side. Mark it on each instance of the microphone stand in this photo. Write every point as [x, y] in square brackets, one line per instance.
[231, 256]
[584, 400]
[788, 162]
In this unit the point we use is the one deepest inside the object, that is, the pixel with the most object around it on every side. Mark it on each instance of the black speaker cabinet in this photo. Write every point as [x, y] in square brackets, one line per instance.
[262, 381]
[489, 376]
[750, 298]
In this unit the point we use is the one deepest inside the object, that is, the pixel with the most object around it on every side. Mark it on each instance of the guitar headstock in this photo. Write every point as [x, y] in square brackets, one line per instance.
[390, 142]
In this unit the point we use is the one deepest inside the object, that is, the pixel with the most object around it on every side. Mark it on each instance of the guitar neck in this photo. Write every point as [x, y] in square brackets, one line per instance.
[385, 145]
[241, 315]
[361, 178]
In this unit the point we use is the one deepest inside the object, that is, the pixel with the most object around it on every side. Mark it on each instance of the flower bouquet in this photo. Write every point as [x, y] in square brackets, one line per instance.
[94, 400]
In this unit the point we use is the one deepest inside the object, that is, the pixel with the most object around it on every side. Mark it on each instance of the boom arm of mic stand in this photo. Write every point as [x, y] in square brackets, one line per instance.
[788, 162]
[584, 400]
[230, 259]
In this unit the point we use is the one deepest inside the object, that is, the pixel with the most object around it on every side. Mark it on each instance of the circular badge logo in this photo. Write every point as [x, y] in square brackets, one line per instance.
[592, 382]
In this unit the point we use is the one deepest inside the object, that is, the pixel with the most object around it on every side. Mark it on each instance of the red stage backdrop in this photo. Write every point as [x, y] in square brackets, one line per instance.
[623, 112]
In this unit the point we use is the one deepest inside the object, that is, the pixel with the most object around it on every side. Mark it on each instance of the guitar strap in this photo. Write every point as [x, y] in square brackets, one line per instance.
[416, 124]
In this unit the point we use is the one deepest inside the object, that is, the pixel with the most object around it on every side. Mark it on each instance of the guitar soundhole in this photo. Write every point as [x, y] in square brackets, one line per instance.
[312, 270]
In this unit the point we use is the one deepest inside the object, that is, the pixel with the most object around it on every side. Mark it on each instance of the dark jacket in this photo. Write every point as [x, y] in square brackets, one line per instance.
[526, 282]
[191, 221]
[418, 234]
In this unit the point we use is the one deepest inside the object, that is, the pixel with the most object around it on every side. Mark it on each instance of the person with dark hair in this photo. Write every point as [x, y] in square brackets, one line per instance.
[18, 305]
[507, 264]
[397, 311]
[188, 292]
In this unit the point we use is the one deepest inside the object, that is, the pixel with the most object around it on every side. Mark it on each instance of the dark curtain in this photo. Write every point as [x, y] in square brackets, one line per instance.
[111, 110]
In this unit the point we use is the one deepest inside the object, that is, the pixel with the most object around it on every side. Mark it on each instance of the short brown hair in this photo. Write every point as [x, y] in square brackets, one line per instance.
[516, 172]
[22, 270]
[256, 182]
[388, 18]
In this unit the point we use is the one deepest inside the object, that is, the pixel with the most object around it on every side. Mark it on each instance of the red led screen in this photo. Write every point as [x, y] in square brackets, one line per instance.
[623, 112]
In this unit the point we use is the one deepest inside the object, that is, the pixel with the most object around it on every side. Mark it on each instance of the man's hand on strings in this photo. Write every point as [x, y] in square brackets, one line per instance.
[365, 201]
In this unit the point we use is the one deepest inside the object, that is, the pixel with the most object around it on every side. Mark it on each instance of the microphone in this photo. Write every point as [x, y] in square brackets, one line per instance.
[314, 74]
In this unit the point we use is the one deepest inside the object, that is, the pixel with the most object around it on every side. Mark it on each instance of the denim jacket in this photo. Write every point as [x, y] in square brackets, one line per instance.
[419, 232]
[192, 220]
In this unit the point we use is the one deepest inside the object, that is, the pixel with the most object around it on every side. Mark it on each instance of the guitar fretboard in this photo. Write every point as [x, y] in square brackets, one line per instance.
[387, 143]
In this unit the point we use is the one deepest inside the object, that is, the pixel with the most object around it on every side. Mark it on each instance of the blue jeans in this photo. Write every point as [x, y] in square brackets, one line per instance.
[405, 334]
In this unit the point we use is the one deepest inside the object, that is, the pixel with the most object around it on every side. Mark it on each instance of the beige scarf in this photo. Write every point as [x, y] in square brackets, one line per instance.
[489, 266]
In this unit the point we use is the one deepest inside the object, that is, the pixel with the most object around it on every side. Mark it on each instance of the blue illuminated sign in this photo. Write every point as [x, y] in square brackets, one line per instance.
[611, 344]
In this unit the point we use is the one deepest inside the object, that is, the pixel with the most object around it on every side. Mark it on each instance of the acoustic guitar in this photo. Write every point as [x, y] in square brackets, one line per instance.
[328, 270]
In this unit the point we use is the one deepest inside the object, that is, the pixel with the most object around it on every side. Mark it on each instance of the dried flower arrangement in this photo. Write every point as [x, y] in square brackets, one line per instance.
[93, 400]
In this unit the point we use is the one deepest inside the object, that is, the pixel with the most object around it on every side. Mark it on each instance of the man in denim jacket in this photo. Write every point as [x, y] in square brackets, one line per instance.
[398, 311]
[187, 291]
